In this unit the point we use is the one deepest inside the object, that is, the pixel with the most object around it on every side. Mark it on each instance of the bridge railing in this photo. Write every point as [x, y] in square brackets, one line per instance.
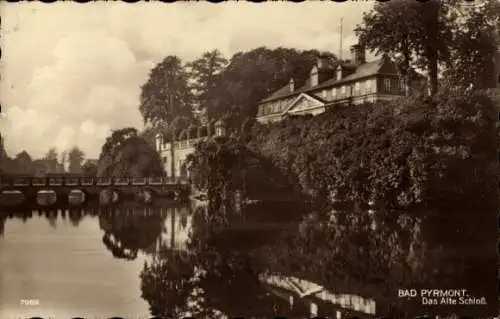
[90, 181]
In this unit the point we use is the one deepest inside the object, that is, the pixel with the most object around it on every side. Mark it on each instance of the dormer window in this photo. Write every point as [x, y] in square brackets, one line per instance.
[219, 131]
[387, 85]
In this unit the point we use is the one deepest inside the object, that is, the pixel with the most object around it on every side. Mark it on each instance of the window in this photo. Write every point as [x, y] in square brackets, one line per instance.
[343, 89]
[387, 85]
[334, 92]
[323, 94]
[368, 86]
[356, 87]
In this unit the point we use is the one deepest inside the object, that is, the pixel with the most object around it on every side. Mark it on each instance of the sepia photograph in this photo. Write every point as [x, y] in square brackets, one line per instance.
[249, 160]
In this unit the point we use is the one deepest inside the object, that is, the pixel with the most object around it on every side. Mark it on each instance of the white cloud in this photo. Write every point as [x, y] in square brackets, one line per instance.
[88, 127]
[71, 73]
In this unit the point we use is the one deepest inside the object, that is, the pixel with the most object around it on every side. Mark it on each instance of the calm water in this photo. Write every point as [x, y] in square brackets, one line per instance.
[83, 263]
[135, 263]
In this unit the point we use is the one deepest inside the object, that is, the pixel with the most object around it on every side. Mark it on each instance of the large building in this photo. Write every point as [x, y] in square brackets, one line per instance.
[355, 81]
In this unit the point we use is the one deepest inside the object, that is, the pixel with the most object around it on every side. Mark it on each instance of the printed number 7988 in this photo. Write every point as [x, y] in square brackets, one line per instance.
[30, 302]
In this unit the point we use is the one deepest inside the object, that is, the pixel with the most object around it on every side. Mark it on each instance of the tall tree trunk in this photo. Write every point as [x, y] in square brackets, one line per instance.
[407, 75]
[432, 73]
[172, 229]
[431, 16]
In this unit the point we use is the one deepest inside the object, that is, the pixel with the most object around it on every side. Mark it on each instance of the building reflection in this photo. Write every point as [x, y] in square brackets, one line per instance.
[215, 274]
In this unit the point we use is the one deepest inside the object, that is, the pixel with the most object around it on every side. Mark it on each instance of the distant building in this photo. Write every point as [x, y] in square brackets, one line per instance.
[355, 81]
[174, 155]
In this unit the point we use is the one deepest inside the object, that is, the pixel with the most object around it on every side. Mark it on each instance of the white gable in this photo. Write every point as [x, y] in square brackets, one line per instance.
[303, 103]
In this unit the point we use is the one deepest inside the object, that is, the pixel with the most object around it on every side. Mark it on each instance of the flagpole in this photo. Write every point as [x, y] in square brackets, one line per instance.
[340, 52]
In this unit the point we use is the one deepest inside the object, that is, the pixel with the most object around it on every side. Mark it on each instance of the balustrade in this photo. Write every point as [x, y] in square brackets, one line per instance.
[139, 181]
[155, 181]
[71, 181]
[90, 181]
[121, 181]
[55, 181]
[103, 181]
[38, 181]
[20, 181]
[86, 181]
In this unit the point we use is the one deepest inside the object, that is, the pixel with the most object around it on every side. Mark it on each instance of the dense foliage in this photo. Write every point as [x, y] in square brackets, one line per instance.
[402, 188]
[75, 160]
[436, 34]
[125, 154]
[166, 94]
[212, 87]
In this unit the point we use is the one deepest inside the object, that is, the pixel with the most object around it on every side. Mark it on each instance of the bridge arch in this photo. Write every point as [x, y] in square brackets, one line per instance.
[146, 195]
[110, 196]
[77, 197]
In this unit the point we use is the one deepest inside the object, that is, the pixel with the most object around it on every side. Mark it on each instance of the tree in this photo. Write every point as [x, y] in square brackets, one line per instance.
[51, 160]
[251, 76]
[474, 46]
[89, 168]
[414, 33]
[166, 94]
[204, 72]
[64, 159]
[24, 163]
[125, 154]
[75, 159]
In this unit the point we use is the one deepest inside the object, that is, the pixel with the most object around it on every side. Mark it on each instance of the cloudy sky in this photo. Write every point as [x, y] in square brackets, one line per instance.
[72, 72]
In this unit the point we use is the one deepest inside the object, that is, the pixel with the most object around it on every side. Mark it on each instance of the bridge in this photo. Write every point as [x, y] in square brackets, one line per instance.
[109, 190]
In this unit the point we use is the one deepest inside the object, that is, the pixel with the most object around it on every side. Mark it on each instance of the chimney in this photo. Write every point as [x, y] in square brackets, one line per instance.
[291, 85]
[358, 54]
[314, 76]
[319, 63]
[339, 72]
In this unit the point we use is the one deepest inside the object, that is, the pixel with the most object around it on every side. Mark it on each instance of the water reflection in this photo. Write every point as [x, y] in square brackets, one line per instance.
[217, 274]
[45, 254]
[181, 261]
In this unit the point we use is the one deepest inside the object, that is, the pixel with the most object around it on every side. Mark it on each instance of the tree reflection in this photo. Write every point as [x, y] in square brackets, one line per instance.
[216, 274]
[126, 231]
[75, 217]
[166, 283]
[3, 219]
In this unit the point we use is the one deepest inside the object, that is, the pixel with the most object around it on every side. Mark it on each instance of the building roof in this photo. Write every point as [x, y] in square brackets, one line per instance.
[380, 66]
